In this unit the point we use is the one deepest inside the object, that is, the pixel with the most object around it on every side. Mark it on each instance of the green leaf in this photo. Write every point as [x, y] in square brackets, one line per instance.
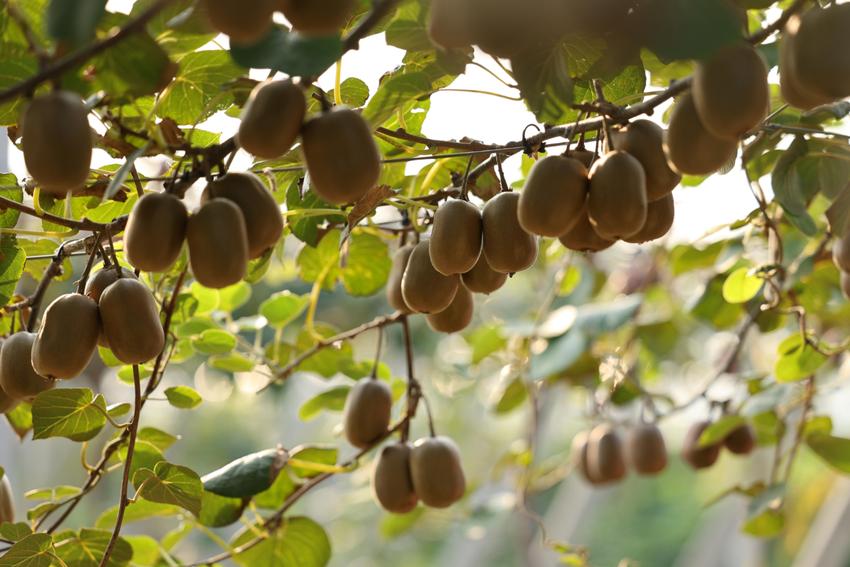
[183, 397]
[789, 189]
[75, 414]
[283, 308]
[35, 550]
[765, 517]
[513, 395]
[321, 261]
[160, 439]
[199, 90]
[299, 542]
[14, 532]
[544, 81]
[20, 419]
[9, 189]
[835, 451]
[685, 258]
[330, 400]
[86, 548]
[231, 363]
[290, 52]
[797, 360]
[137, 511]
[219, 511]
[319, 454]
[74, 21]
[233, 297]
[246, 476]
[12, 259]
[366, 266]
[274, 497]
[171, 484]
[486, 340]
[354, 92]
[16, 65]
[741, 286]
[215, 341]
[329, 361]
[720, 429]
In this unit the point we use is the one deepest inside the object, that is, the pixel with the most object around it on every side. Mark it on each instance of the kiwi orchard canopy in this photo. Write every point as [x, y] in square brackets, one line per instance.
[225, 260]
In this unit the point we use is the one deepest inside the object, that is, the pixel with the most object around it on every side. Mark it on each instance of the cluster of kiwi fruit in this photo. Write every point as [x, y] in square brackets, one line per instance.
[740, 441]
[7, 505]
[248, 21]
[841, 259]
[428, 470]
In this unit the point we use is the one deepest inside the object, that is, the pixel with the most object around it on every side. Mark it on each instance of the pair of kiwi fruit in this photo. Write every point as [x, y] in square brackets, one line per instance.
[602, 457]
[814, 57]
[739, 441]
[429, 471]
[7, 504]
[841, 259]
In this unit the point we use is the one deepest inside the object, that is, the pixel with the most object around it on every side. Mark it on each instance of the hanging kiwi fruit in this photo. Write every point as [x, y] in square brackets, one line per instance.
[695, 454]
[394, 294]
[741, 440]
[584, 238]
[424, 289]
[218, 244]
[392, 483]
[553, 199]
[436, 471]
[58, 354]
[482, 278]
[508, 247]
[449, 23]
[456, 237]
[644, 140]
[578, 456]
[690, 148]
[155, 232]
[617, 202]
[646, 449]
[794, 91]
[128, 299]
[18, 378]
[457, 316]
[605, 454]
[820, 56]
[367, 412]
[272, 119]
[102, 279]
[660, 215]
[245, 22]
[311, 17]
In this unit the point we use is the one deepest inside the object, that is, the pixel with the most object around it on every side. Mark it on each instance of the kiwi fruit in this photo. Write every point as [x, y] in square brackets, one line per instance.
[741, 440]
[793, 90]
[366, 416]
[7, 504]
[605, 455]
[394, 295]
[578, 456]
[392, 484]
[272, 119]
[67, 338]
[457, 316]
[646, 449]
[104, 278]
[844, 281]
[690, 148]
[7, 403]
[456, 237]
[695, 455]
[504, 28]
[730, 90]
[583, 237]
[130, 318]
[424, 289]
[508, 248]
[263, 220]
[585, 156]
[841, 252]
[155, 232]
[644, 140]
[57, 141]
[449, 23]
[482, 278]
[18, 379]
[245, 22]
[659, 220]
[553, 198]
[311, 17]
[218, 244]
[436, 471]
[821, 51]
[342, 158]
[617, 202]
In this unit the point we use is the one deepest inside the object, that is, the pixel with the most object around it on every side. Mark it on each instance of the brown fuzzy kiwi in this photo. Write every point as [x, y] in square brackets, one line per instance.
[104, 278]
[585, 156]
[793, 90]
[690, 148]
[695, 455]
[844, 281]
[646, 449]
[57, 141]
[508, 248]
[730, 90]
[841, 252]
[155, 232]
[617, 202]
[821, 55]
[644, 140]
[263, 220]
[218, 244]
[505, 28]
[342, 158]
[424, 289]
[482, 278]
[67, 338]
[552, 201]
[659, 219]
[456, 237]
[583, 237]
[317, 18]
[392, 484]
[578, 456]
[7, 403]
[367, 412]
[245, 22]
[449, 23]
[130, 318]
[436, 471]
[17, 378]
[457, 316]
[394, 295]
[7, 503]
[605, 454]
[741, 440]
[272, 119]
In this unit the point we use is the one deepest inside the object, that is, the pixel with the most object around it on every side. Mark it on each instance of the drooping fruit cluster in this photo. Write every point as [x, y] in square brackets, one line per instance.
[602, 457]
[740, 441]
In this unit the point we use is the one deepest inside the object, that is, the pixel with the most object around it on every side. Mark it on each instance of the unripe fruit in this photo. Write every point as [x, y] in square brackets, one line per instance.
[449, 23]
[342, 158]
[57, 141]
[394, 295]
[659, 219]
[245, 22]
[456, 237]
[553, 198]
[457, 316]
[578, 456]
[741, 440]
[155, 232]
[730, 90]
[841, 252]
[507, 246]
[821, 56]
[695, 455]
[424, 289]
[104, 278]
[646, 448]
[7, 504]
[605, 458]
[272, 119]
[617, 203]
[392, 484]
[690, 148]
[482, 278]
[17, 377]
[130, 319]
[436, 471]
[644, 140]
[367, 412]
[218, 244]
[317, 18]
[793, 91]
[263, 220]
[583, 237]
[68, 337]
